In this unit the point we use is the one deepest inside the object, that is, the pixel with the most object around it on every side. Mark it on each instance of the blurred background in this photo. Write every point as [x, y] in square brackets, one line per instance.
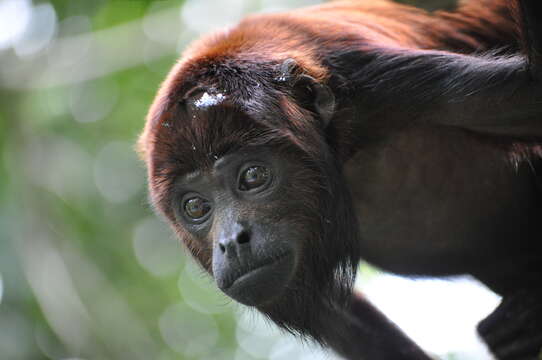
[86, 270]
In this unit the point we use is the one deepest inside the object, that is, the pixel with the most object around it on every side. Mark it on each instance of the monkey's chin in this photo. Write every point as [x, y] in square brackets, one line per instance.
[263, 284]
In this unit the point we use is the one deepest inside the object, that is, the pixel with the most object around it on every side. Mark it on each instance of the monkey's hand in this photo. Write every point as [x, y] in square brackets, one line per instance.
[514, 330]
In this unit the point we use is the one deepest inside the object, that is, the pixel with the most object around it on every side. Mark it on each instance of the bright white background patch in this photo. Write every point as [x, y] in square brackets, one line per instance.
[439, 315]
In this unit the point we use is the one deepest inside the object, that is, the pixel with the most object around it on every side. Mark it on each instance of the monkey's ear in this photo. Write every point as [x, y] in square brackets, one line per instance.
[320, 98]
[308, 91]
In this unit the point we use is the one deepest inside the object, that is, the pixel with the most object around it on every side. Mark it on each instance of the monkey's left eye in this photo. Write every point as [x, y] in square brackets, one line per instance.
[196, 208]
[253, 177]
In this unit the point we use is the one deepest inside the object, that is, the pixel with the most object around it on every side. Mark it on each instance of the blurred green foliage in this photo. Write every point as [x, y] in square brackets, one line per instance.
[86, 269]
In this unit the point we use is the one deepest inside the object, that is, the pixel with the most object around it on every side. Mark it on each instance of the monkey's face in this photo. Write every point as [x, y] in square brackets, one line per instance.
[253, 189]
[246, 210]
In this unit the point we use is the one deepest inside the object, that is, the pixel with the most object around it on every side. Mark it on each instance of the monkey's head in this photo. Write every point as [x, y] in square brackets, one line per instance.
[240, 164]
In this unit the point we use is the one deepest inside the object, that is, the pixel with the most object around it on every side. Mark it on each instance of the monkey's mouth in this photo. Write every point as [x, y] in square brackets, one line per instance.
[258, 270]
[261, 283]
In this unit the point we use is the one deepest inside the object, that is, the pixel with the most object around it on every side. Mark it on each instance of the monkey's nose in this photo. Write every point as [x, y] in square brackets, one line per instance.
[235, 243]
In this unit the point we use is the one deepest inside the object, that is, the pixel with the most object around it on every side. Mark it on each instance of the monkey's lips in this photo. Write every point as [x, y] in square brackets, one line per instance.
[263, 283]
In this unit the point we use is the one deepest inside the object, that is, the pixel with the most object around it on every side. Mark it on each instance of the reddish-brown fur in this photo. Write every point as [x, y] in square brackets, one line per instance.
[476, 26]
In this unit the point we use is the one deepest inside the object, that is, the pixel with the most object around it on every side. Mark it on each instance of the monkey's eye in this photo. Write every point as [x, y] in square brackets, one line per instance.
[253, 177]
[196, 208]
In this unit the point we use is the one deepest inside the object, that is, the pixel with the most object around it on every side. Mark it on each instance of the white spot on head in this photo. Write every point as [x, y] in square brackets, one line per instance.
[207, 100]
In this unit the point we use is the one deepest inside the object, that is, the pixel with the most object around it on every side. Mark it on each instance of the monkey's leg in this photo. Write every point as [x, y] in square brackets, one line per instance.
[514, 330]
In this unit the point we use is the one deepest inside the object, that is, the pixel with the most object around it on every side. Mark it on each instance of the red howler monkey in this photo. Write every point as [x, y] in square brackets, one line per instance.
[285, 149]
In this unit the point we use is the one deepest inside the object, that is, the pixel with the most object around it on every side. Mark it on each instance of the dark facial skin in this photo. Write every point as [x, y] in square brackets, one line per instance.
[238, 208]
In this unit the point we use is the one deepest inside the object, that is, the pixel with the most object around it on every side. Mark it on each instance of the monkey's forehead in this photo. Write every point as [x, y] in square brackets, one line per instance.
[194, 138]
[239, 79]
[204, 98]
[208, 99]
[222, 163]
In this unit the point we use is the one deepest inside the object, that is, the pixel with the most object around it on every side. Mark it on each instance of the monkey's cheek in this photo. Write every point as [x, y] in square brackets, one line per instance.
[264, 284]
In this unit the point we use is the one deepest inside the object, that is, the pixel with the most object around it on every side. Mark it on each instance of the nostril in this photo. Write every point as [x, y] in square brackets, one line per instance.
[243, 237]
[222, 247]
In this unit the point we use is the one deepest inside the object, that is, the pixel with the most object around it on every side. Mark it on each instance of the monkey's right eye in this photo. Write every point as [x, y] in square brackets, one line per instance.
[254, 177]
[196, 208]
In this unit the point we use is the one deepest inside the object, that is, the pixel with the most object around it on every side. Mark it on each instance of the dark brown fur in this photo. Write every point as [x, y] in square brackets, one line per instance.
[393, 55]
[260, 42]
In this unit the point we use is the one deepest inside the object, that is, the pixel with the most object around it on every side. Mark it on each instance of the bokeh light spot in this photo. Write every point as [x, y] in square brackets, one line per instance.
[155, 247]
[283, 5]
[161, 24]
[200, 292]
[61, 166]
[14, 18]
[187, 332]
[289, 348]
[15, 335]
[72, 46]
[255, 335]
[49, 344]
[117, 172]
[39, 32]
[203, 15]
[93, 100]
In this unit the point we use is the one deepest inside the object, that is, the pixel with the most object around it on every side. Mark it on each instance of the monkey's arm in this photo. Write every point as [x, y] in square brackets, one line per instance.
[493, 96]
[513, 330]
[362, 332]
